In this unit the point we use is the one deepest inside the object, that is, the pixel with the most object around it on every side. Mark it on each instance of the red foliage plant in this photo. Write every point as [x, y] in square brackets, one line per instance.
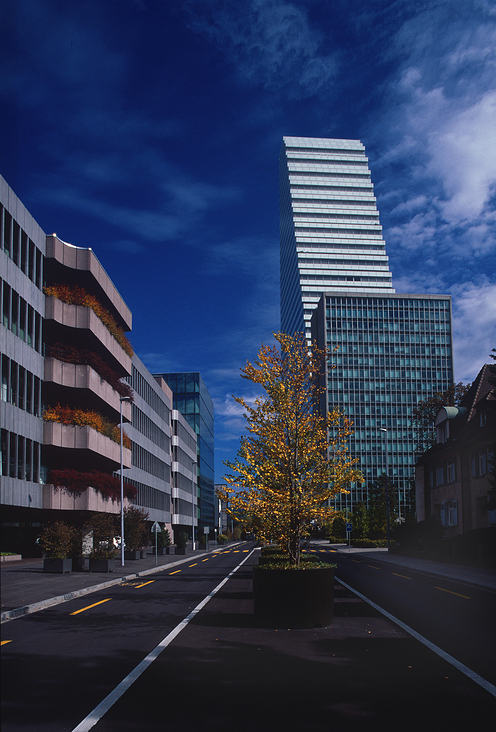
[72, 354]
[75, 483]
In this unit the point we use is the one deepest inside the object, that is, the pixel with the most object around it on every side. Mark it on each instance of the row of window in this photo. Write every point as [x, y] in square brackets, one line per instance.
[20, 317]
[20, 387]
[389, 337]
[185, 436]
[150, 497]
[19, 457]
[149, 429]
[144, 460]
[141, 386]
[181, 457]
[374, 325]
[182, 507]
[184, 483]
[19, 247]
[395, 349]
[388, 303]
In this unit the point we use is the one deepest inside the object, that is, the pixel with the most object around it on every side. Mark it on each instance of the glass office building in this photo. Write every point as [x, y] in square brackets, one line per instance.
[193, 401]
[336, 286]
[331, 237]
[392, 351]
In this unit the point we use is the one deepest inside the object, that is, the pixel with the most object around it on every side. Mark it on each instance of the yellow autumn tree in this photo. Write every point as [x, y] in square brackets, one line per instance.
[293, 460]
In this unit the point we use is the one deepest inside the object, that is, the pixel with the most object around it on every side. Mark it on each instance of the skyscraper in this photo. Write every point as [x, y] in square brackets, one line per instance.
[331, 238]
[393, 350]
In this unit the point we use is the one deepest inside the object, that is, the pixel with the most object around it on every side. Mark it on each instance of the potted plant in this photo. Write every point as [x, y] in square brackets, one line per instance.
[291, 463]
[135, 532]
[56, 541]
[102, 557]
[182, 543]
[164, 542]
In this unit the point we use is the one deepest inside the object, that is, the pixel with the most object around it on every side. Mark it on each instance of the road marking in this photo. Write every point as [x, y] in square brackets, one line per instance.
[453, 593]
[193, 565]
[4, 642]
[372, 566]
[90, 606]
[439, 651]
[357, 561]
[245, 551]
[333, 550]
[145, 583]
[401, 575]
[205, 560]
[99, 711]
[177, 570]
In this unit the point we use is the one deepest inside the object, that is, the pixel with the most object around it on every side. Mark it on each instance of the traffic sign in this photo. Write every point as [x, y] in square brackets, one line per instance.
[349, 527]
[156, 528]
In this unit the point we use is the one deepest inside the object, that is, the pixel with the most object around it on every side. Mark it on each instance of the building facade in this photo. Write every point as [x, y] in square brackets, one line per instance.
[69, 378]
[392, 352]
[453, 477]
[331, 237]
[336, 287]
[192, 400]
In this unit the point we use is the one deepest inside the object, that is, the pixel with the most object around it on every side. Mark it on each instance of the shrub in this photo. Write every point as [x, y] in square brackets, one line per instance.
[74, 295]
[163, 538]
[82, 418]
[222, 539]
[182, 540]
[371, 543]
[105, 530]
[75, 483]
[56, 540]
[135, 531]
[73, 354]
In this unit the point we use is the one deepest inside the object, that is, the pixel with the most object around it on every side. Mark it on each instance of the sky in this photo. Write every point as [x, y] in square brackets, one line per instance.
[150, 131]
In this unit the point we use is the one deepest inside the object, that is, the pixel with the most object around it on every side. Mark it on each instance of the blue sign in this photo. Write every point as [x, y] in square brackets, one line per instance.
[349, 527]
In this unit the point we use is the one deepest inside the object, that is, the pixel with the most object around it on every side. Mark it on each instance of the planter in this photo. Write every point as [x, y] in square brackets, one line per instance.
[57, 566]
[181, 550]
[132, 554]
[102, 565]
[143, 553]
[170, 549]
[299, 598]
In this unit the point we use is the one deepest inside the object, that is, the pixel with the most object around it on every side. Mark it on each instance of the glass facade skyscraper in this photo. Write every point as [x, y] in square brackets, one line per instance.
[393, 350]
[192, 400]
[331, 237]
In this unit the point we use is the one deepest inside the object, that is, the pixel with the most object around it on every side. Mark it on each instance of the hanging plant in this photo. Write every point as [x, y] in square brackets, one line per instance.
[81, 418]
[75, 483]
[73, 354]
[74, 295]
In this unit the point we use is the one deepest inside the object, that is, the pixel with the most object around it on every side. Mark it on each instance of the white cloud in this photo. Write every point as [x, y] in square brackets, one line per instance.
[474, 327]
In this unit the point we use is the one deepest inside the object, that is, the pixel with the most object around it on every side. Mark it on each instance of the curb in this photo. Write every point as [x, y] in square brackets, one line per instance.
[35, 607]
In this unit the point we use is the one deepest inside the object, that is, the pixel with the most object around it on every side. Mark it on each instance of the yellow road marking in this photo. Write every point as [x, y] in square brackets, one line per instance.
[205, 560]
[333, 550]
[357, 561]
[401, 575]
[4, 642]
[193, 565]
[90, 606]
[245, 551]
[145, 583]
[453, 593]
[177, 570]
[372, 566]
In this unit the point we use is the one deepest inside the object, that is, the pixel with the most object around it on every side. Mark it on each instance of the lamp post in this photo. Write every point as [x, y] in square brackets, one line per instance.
[122, 399]
[383, 429]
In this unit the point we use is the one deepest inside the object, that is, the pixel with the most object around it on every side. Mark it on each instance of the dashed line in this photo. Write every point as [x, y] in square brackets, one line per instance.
[88, 607]
[177, 570]
[4, 642]
[145, 583]
[193, 565]
[465, 597]
[401, 575]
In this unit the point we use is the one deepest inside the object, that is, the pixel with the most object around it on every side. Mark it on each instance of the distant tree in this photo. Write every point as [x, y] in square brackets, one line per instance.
[360, 521]
[424, 414]
[377, 511]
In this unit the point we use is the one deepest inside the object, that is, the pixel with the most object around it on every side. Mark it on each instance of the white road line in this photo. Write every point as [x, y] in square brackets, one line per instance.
[98, 712]
[446, 656]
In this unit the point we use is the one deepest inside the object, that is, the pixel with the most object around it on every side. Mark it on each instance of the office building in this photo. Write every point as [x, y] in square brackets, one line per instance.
[336, 287]
[192, 400]
[331, 237]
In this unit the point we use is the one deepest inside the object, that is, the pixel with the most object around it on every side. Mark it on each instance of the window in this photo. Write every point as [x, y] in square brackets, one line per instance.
[482, 462]
[439, 474]
[450, 470]
[449, 513]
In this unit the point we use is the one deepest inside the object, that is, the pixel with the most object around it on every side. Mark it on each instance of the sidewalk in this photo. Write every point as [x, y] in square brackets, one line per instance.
[26, 588]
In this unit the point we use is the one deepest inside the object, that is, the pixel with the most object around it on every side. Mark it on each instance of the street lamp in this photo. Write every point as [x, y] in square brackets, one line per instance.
[383, 429]
[122, 399]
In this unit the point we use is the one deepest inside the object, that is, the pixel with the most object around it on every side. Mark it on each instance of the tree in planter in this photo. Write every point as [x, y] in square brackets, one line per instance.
[293, 461]
[135, 531]
[105, 530]
[57, 540]
[163, 539]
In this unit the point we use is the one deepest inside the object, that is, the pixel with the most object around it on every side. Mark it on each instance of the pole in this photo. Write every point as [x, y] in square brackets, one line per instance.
[156, 544]
[387, 486]
[122, 489]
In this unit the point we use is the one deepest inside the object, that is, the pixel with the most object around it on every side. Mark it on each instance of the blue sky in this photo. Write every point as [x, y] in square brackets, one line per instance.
[150, 131]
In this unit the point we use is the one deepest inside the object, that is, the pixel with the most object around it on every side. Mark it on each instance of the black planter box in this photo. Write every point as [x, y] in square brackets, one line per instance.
[57, 566]
[293, 598]
[132, 554]
[170, 549]
[181, 550]
[102, 565]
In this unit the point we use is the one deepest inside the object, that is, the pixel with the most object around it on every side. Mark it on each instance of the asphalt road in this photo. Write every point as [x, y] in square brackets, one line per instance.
[58, 664]
[456, 617]
[364, 674]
